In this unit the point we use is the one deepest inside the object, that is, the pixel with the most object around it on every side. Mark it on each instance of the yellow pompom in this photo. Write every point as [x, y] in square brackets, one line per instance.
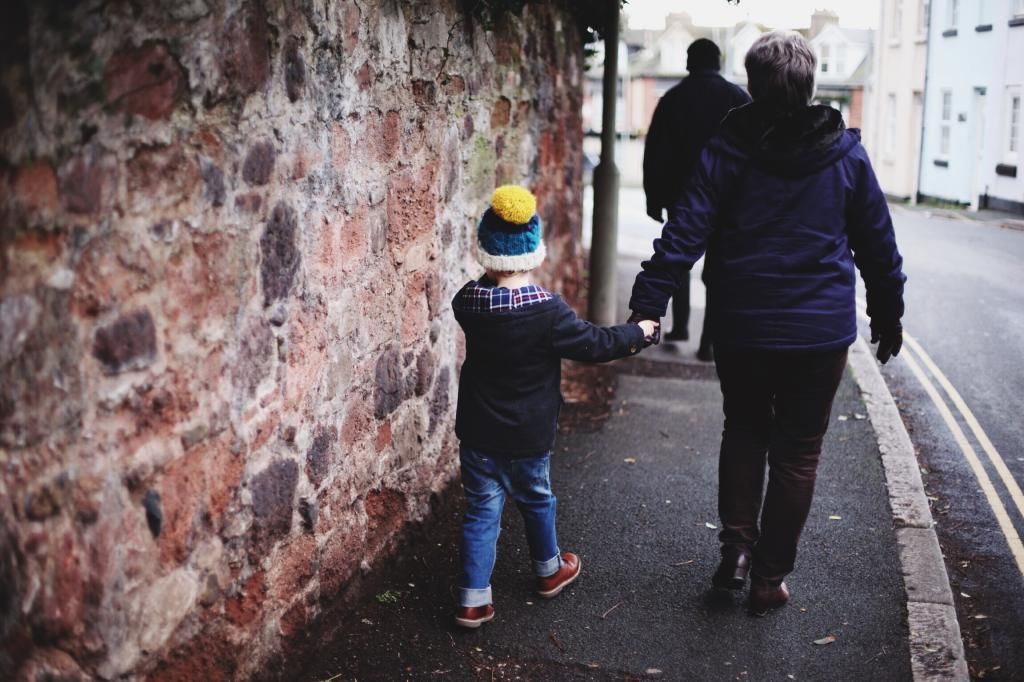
[514, 204]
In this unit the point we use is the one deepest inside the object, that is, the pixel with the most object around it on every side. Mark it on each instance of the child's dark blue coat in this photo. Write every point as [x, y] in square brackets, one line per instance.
[509, 395]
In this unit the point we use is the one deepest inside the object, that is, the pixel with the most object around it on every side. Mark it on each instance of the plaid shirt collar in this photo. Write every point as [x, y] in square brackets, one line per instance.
[481, 298]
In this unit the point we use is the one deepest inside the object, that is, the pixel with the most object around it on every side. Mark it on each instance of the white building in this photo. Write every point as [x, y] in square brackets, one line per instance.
[895, 97]
[972, 141]
[843, 60]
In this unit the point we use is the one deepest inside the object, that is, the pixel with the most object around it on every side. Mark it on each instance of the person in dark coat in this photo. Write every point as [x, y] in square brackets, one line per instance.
[792, 204]
[686, 116]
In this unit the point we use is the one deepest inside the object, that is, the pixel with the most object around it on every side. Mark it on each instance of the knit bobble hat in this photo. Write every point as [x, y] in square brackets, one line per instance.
[508, 237]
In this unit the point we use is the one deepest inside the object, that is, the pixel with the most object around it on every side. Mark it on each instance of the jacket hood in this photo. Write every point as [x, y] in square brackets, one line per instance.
[794, 144]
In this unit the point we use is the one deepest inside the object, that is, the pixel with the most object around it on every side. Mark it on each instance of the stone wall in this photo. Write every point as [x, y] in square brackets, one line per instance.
[229, 235]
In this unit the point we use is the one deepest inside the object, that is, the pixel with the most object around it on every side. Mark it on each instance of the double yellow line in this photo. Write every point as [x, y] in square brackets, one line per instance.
[915, 356]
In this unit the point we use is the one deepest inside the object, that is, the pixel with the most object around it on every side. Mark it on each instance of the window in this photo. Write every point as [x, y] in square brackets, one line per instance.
[890, 124]
[897, 20]
[1013, 116]
[1018, 8]
[982, 12]
[947, 120]
[841, 59]
[952, 13]
[823, 58]
[924, 9]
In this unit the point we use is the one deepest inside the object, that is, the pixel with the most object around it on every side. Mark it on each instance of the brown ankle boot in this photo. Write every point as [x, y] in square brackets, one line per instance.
[732, 571]
[766, 595]
[550, 586]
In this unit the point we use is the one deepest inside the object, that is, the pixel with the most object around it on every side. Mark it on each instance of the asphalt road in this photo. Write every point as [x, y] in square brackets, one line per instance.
[965, 306]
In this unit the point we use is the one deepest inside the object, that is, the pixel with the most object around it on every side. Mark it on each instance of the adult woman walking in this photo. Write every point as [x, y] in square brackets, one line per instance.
[787, 197]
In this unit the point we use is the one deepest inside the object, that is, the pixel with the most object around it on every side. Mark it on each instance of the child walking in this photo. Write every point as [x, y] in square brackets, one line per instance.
[516, 336]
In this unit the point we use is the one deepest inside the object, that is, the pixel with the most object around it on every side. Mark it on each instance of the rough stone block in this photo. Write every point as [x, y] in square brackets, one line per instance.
[145, 80]
[273, 499]
[86, 182]
[294, 69]
[213, 182]
[280, 253]
[40, 386]
[259, 163]
[318, 457]
[388, 380]
[128, 343]
[245, 50]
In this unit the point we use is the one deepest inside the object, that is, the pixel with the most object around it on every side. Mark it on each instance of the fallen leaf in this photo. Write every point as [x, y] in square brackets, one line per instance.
[652, 671]
[835, 517]
[859, 417]
[664, 434]
[842, 417]
[965, 595]
[828, 639]
[710, 525]
[630, 460]
[979, 616]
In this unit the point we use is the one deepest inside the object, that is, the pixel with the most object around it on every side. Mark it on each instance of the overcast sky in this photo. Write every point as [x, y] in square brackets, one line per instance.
[774, 13]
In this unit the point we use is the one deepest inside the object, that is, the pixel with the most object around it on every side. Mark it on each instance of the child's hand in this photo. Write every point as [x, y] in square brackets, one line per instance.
[649, 327]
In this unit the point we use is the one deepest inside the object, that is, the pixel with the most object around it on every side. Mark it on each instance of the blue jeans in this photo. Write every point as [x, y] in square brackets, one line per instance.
[486, 480]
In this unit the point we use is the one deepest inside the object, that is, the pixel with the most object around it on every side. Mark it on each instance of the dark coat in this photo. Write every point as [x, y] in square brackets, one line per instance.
[791, 204]
[686, 116]
[509, 395]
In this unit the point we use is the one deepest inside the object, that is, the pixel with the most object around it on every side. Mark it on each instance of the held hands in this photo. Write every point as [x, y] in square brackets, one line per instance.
[652, 328]
[889, 337]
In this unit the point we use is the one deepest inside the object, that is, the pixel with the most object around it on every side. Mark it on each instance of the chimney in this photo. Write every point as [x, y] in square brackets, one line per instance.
[822, 18]
[678, 20]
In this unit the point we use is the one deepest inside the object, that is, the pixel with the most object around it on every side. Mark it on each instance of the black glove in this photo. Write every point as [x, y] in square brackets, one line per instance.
[889, 337]
[655, 213]
[652, 340]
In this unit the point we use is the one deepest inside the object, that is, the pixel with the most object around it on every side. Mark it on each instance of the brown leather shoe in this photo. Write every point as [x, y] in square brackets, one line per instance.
[732, 571]
[553, 584]
[474, 616]
[765, 596]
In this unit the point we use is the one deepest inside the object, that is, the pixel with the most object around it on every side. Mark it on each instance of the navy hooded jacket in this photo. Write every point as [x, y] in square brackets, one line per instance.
[785, 206]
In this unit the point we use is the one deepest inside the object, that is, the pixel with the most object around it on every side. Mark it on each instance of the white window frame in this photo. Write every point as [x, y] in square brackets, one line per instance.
[824, 53]
[1017, 8]
[924, 9]
[945, 122]
[952, 13]
[896, 21]
[1012, 137]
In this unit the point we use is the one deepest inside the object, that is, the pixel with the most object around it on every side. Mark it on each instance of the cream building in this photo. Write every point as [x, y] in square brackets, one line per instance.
[895, 95]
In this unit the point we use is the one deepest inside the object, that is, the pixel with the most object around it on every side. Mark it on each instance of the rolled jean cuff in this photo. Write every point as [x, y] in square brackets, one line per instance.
[542, 569]
[471, 597]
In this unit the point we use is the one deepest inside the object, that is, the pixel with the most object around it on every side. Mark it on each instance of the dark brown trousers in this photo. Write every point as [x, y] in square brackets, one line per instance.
[777, 409]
